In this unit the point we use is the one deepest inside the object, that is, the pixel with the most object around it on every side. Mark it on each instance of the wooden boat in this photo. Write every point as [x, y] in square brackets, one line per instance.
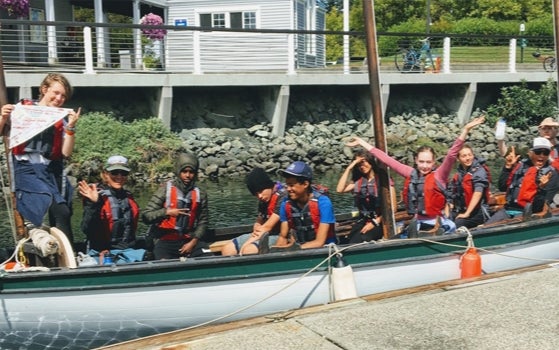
[87, 307]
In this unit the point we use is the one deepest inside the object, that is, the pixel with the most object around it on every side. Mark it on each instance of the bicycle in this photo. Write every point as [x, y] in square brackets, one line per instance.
[549, 63]
[412, 60]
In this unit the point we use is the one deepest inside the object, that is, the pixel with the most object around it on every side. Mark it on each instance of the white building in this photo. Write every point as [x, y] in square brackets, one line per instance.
[277, 47]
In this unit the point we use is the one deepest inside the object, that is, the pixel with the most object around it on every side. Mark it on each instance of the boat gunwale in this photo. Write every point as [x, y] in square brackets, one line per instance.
[169, 265]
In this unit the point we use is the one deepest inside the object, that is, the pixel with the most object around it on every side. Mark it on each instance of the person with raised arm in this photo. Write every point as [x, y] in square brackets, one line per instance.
[365, 187]
[468, 190]
[39, 181]
[425, 184]
[530, 183]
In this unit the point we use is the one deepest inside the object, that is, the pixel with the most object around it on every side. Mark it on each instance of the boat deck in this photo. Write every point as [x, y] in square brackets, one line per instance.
[511, 310]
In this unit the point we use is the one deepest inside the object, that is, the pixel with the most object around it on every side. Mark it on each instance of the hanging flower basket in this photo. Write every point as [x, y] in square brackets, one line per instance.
[18, 8]
[153, 20]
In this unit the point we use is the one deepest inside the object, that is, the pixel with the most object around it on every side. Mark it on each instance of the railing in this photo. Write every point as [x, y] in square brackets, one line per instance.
[91, 48]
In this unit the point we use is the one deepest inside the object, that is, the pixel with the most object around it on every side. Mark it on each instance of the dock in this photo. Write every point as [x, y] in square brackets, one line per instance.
[509, 310]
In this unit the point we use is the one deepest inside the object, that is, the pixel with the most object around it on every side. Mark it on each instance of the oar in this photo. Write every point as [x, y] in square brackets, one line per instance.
[16, 221]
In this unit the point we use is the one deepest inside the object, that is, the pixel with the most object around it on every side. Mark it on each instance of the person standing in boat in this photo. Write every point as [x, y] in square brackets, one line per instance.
[270, 195]
[530, 183]
[468, 190]
[40, 184]
[178, 213]
[425, 185]
[110, 213]
[306, 216]
[365, 188]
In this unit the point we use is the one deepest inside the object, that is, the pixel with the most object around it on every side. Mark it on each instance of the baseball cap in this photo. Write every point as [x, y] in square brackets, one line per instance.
[541, 143]
[549, 122]
[298, 169]
[117, 163]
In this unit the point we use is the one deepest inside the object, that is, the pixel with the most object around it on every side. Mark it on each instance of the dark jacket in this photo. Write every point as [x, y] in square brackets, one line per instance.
[155, 210]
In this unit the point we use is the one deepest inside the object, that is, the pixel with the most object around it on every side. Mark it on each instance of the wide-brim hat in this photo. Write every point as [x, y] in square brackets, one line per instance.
[549, 122]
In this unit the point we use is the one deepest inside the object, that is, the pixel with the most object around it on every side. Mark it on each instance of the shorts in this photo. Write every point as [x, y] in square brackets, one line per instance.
[242, 239]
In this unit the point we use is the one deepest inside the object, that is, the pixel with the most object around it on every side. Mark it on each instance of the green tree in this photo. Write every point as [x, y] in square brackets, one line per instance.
[334, 43]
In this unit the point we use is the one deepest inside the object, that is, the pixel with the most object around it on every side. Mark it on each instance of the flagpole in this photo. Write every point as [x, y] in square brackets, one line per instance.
[378, 119]
[16, 221]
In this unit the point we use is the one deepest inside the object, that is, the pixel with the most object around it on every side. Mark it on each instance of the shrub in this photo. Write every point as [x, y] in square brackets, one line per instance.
[147, 143]
[523, 107]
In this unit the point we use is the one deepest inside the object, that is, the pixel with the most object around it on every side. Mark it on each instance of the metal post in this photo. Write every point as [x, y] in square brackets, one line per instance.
[346, 37]
[428, 15]
[556, 32]
[378, 118]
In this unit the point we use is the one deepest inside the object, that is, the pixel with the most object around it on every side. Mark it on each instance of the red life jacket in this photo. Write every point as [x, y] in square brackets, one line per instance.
[48, 142]
[306, 221]
[178, 228]
[279, 192]
[424, 195]
[515, 180]
[463, 188]
[530, 183]
[114, 210]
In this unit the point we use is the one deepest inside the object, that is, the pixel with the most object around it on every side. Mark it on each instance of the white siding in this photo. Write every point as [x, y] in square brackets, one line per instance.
[227, 51]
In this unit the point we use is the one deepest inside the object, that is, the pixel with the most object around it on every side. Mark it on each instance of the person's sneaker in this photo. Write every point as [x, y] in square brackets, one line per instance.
[412, 228]
[264, 243]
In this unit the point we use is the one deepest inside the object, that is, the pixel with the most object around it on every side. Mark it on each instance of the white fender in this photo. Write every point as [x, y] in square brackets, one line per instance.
[343, 283]
[66, 257]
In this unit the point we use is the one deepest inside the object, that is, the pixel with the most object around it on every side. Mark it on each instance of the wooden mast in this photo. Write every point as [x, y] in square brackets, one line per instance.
[378, 118]
[16, 221]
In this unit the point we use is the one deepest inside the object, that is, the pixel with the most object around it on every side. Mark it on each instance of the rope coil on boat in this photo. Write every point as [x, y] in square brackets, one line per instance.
[20, 260]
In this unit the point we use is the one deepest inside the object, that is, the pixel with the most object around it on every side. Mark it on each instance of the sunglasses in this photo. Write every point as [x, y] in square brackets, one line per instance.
[539, 152]
[119, 172]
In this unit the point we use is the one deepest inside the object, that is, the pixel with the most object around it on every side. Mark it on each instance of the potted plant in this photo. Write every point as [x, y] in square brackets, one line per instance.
[17, 8]
[152, 41]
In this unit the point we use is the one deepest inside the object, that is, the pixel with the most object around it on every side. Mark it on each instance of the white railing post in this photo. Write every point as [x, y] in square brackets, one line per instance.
[291, 54]
[446, 55]
[51, 33]
[346, 37]
[512, 56]
[88, 50]
[196, 56]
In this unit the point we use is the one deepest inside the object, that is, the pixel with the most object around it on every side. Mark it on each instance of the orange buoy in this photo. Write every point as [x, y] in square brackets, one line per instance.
[470, 264]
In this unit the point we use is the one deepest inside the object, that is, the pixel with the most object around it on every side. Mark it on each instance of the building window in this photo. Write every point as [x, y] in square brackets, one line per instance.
[244, 19]
[218, 20]
[249, 20]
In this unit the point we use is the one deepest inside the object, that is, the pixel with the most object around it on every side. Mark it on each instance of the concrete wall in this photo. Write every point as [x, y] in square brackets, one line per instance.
[241, 100]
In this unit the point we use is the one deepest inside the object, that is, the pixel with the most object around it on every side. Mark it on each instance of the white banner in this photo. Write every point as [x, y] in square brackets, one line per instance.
[28, 121]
